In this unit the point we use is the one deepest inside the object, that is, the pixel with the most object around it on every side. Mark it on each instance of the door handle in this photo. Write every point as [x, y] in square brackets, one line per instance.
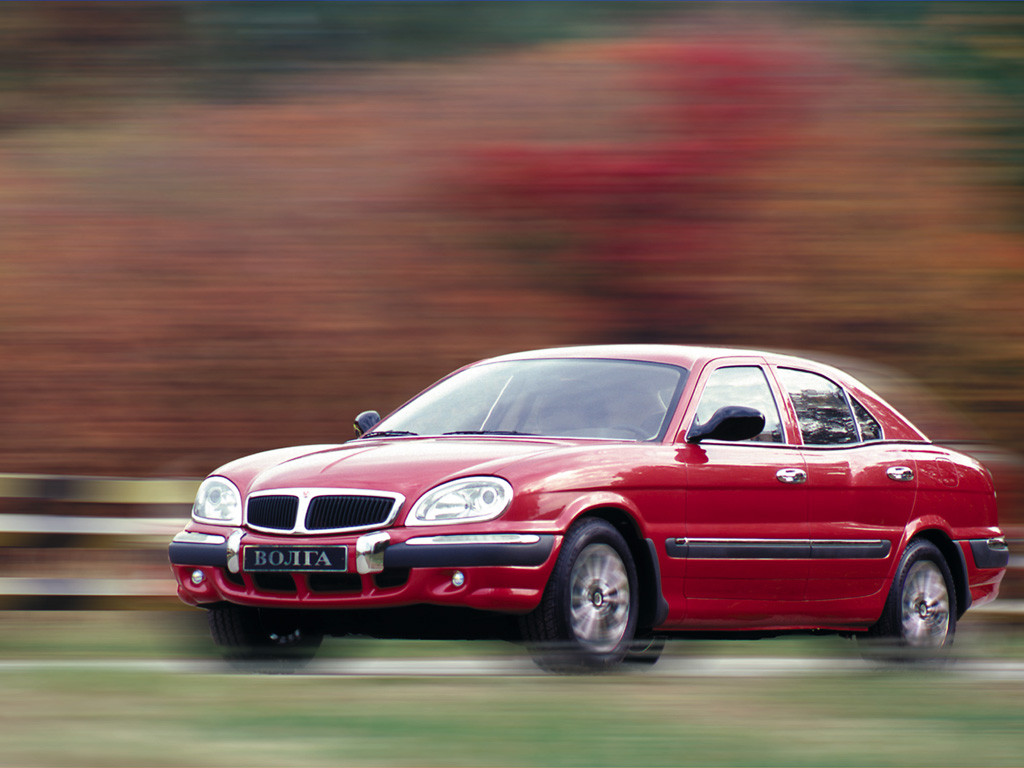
[900, 474]
[791, 475]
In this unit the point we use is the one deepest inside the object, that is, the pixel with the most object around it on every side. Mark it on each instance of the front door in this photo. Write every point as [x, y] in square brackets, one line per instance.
[746, 522]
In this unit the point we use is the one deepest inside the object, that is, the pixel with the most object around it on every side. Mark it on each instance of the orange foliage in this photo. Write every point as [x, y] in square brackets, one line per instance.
[183, 283]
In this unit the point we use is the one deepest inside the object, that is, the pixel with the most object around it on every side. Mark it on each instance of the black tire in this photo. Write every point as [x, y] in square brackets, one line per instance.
[918, 622]
[645, 651]
[587, 616]
[261, 640]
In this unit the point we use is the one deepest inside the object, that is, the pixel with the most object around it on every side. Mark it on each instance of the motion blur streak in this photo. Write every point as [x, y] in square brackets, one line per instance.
[231, 227]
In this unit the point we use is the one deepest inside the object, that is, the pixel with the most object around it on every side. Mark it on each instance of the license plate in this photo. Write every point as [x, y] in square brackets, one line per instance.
[291, 559]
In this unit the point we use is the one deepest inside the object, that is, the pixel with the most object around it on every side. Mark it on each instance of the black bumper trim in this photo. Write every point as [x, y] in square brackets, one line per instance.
[783, 549]
[191, 553]
[990, 553]
[468, 555]
[753, 550]
[677, 548]
[401, 555]
[850, 550]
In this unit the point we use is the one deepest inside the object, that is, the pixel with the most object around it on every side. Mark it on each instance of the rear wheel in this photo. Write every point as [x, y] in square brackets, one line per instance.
[261, 639]
[919, 619]
[587, 617]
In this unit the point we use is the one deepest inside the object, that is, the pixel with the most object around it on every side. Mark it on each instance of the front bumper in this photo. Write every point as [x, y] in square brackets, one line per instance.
[499, 571]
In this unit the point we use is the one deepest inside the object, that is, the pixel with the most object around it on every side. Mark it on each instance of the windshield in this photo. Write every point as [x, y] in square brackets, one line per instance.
[618, 399]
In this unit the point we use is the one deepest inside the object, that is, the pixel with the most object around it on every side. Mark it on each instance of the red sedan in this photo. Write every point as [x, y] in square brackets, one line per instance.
[595, 500]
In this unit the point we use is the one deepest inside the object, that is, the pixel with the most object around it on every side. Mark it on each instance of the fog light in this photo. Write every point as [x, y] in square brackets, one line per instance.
[458, 579]
[197, 577]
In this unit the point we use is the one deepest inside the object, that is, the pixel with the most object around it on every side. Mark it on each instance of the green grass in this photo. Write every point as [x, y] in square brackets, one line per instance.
[76, 717]
[78, 714]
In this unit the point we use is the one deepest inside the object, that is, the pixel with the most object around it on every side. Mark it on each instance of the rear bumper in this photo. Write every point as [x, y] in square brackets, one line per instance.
[990, 553]
[985, 562]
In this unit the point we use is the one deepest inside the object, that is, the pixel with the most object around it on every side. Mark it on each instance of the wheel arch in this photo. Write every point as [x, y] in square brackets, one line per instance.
[956, 562]
[653, 607]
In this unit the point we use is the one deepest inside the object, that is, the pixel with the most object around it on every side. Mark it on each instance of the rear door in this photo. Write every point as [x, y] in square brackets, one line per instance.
[860, 494]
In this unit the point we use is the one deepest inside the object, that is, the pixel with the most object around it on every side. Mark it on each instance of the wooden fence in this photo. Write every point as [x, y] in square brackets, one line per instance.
[89, 542]
[101, 543]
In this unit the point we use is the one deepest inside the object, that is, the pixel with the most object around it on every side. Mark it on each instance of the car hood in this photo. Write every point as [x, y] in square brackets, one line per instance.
[408, 466]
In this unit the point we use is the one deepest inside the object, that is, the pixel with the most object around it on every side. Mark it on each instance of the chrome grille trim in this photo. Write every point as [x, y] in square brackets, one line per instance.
[305, 498]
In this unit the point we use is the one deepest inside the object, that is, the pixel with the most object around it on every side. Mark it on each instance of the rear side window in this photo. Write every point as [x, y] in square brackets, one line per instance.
[821, 408]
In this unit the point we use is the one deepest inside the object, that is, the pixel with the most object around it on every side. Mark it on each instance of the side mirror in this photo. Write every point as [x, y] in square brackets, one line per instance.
[733, 423]
[366, 421]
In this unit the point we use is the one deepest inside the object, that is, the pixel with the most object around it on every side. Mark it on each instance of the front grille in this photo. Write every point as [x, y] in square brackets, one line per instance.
[317, 511]
[339, 512]
[273, 512]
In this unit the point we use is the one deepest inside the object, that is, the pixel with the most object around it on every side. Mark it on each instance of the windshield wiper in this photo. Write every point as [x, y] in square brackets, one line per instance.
[491, 432]
[390, 433]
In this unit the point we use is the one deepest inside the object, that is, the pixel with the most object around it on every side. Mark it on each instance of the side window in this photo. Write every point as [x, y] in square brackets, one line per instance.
[869, 428]
[821, 408]
[741, 385]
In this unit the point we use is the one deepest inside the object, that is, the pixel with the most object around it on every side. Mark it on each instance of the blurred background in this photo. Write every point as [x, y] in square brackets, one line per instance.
[231, 226]
[227, 227]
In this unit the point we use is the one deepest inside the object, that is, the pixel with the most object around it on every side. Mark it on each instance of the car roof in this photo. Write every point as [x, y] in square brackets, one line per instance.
[687, 356]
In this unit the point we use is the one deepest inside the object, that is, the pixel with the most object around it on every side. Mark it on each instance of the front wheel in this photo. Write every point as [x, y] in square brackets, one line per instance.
[919, 618]
[260, 639]
[587, 616]
[645, 651]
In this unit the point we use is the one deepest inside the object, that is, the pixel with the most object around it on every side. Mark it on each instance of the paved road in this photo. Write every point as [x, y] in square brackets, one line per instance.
[724, 667]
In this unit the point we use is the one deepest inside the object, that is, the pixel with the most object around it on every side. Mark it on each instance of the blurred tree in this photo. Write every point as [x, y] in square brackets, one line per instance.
[643, 225]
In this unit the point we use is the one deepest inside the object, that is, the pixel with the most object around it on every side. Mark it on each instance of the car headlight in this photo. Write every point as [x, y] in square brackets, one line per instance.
[469, 500]
[218, 501]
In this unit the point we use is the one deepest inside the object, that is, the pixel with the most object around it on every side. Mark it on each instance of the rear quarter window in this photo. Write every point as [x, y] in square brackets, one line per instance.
[870, 429]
